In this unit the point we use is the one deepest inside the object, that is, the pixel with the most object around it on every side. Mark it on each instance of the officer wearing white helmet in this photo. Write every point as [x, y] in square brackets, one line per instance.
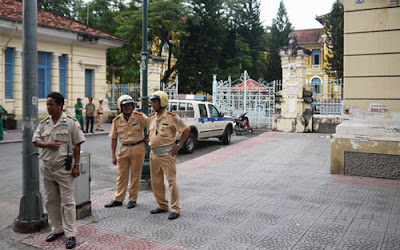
[128, 127]
[161, 136]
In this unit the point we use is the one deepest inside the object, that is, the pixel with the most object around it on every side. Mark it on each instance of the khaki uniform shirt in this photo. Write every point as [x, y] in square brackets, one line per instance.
[67, 130]
[130, 131]
[90, 108]
[99, 110]
[162, 129]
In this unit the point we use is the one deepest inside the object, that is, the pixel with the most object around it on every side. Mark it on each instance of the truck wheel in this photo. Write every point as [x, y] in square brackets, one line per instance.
[226, 137]
[190, 144]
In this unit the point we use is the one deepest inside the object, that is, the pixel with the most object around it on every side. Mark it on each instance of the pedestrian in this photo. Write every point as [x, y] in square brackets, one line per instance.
[100, 112]
[2, 112]
[90, 109]
[78, 112]
[161, 136]
[60, 137]
[128, 127]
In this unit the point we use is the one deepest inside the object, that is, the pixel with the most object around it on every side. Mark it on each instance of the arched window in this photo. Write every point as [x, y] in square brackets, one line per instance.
[316, 85]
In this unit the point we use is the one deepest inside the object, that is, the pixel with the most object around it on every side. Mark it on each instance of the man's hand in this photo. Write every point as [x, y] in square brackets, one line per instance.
[54, 145]
[175, 150]
[114, 160]
[75, 172]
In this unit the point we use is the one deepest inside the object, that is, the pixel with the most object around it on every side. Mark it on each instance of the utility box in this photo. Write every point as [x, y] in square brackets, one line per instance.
[82, 188]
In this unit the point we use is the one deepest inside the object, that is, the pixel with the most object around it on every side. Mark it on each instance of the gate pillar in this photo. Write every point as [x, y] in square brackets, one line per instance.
[294, 109]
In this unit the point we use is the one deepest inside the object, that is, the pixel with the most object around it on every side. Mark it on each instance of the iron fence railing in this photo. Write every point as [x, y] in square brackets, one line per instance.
[116, 90]
[329, 101]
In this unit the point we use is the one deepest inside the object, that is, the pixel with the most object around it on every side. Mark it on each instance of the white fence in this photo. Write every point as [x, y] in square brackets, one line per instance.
[328, 98]
[116, 90]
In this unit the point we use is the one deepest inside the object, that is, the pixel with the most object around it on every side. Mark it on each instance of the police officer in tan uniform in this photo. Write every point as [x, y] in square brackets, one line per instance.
[162, 137]
[128, 128]
[100, 111]
[60, 136]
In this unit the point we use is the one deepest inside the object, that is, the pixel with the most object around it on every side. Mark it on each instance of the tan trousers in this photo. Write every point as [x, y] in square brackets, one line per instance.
[60, 202]
[99, 125]
[130, 159]
[158, 167]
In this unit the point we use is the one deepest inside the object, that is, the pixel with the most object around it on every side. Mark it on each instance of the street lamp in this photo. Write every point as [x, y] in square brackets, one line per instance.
[145, 99]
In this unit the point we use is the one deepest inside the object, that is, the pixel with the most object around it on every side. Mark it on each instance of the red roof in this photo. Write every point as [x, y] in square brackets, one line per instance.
[12, 10]
[252, 86]
[321, 18]
[310, 36]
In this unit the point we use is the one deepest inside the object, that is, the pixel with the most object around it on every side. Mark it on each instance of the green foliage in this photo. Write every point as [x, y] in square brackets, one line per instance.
[201, 45]
[65, 8]
[278, 37]
[333, 25]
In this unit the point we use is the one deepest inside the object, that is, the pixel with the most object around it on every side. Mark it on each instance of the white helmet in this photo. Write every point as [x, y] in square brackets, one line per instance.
[124, 99]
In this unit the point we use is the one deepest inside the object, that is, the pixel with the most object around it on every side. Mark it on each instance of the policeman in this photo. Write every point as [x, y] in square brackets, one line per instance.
[60, 137]
[100, 112]
[78, 112]
[162, 137]
[128, 128]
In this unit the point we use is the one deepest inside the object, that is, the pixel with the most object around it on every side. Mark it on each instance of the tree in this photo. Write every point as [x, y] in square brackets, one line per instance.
[333, 25]
[278, 37]
[245, 48]
[65, 8]
[201, 45]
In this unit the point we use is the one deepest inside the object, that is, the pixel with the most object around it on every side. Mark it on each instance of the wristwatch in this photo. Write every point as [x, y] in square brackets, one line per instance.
[76, 165]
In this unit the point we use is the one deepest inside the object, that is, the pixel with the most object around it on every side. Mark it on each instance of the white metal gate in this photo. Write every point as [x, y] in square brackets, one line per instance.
[171, 88]
[246, 95]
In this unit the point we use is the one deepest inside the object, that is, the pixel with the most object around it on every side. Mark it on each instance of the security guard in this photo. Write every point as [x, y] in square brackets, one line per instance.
[162, 137]
[78, 112]
[60, 137]
[128, 127]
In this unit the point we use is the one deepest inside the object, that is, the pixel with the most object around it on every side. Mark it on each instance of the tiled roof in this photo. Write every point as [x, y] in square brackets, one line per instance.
[311, 36]
[12, 10]
[322, 18]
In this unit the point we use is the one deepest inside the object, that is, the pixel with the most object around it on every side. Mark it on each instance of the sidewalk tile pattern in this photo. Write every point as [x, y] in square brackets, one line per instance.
[273, 191]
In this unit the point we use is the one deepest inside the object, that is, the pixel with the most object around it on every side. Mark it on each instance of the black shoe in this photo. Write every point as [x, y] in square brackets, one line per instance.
[113, 204]
[71, 242]
[158, 211]
[173, 216]
[131, 204]
[53, 237]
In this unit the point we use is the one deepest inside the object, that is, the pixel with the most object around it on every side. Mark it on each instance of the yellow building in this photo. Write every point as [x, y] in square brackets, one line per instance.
[367, 142]
[71, 59]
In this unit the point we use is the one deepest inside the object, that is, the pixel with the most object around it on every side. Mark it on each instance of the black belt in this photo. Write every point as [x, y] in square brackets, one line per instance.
[100, 113]
[133, 144]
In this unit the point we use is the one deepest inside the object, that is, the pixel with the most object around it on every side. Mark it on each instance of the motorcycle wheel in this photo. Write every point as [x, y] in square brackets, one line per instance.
[251, 130]
[237, 129]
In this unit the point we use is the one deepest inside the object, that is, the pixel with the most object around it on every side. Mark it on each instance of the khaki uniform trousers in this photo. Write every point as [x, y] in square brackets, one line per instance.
[160, 165]
[129, 158]
[99, 125]
[60, 202]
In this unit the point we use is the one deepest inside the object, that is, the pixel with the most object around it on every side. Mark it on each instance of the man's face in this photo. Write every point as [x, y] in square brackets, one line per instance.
[127, 109]
[79, 100]
[52, 107]
[155, 103]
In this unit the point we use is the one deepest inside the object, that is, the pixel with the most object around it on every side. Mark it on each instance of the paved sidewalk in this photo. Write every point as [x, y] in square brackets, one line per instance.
[15, 135]
[273, 191]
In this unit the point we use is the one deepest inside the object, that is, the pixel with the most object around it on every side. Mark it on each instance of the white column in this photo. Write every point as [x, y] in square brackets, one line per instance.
[17, 83]
[55, 72]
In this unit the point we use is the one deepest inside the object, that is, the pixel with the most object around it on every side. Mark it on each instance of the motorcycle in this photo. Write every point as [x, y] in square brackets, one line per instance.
[242, 124]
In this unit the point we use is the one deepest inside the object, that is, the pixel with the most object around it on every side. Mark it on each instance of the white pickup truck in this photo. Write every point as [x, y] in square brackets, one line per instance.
[204, 120]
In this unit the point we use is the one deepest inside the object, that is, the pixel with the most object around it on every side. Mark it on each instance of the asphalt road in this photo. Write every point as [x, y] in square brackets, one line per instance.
[103, 172]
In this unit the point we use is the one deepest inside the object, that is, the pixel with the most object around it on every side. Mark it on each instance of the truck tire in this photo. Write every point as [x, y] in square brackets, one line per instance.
[226, 137]
[190, 144]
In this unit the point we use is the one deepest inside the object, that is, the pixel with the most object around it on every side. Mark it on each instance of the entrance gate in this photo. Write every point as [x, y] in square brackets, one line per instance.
[246, 95]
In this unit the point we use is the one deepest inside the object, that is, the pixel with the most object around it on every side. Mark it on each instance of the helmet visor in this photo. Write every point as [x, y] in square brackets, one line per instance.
[127, 101]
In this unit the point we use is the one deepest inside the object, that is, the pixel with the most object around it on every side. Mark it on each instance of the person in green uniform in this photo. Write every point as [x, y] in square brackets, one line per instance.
[2, 112]
[78, 112]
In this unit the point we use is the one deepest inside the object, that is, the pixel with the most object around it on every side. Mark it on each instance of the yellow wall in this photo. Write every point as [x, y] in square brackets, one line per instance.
[79, 59]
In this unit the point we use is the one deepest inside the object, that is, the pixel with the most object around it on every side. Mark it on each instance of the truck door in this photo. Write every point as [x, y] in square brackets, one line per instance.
[206, 127]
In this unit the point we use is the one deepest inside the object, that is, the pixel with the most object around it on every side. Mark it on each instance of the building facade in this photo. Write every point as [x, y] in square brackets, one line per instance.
[71, 58]
[367, 142]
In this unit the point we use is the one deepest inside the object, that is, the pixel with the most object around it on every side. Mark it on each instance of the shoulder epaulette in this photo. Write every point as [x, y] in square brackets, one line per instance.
[171, 113]
[138, 112]
[152, 114]
[73, 118]
[45, 119]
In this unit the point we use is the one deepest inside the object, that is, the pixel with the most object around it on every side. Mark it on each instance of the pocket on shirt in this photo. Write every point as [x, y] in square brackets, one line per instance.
[62, 135]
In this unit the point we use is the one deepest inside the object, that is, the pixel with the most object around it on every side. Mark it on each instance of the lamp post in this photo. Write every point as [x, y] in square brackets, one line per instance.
[31, 217]
[145, 99]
